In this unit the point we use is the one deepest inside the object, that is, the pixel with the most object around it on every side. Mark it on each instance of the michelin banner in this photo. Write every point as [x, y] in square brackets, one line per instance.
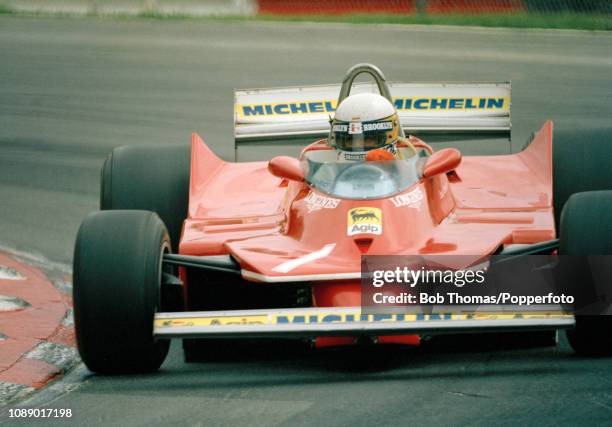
[281, 112]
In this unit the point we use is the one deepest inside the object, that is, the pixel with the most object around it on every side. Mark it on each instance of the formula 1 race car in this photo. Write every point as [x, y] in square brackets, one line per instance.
[189, 246]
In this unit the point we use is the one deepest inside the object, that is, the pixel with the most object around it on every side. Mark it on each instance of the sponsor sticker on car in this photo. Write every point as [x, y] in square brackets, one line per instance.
[412, 199]
[364, 220]
[213, 320]
[344, 317]
[340, 317]
[315, 202]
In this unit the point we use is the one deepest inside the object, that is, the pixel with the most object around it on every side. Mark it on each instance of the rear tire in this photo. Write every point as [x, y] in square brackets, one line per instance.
[116, 290]
[586, 230]
[151, 178]
[581, 162]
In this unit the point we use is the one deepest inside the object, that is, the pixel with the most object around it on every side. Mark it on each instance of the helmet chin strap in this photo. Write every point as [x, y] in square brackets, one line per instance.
[360, 155]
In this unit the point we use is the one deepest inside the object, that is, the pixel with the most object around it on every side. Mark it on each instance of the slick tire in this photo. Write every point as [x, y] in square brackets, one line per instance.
[116, 291]
[581, 162]
[149, 177]
[586, 230]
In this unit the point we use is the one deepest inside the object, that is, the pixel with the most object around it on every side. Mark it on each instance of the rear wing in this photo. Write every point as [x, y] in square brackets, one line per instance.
[302, 114]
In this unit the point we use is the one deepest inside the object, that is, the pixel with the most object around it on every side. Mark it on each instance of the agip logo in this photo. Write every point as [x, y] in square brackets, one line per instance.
[364, 221]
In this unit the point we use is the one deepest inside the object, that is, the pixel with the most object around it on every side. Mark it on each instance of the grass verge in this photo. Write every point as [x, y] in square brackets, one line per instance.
[521, 20]
[5, 10]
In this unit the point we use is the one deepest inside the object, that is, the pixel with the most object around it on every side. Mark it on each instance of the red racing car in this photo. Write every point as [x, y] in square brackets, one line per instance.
[187, 245]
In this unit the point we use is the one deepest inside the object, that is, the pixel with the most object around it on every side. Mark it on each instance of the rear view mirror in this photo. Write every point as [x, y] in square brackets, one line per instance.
[443, 161]
[287, 168]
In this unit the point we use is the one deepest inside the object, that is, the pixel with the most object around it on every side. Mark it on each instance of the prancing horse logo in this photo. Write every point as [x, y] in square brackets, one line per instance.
[358, 216]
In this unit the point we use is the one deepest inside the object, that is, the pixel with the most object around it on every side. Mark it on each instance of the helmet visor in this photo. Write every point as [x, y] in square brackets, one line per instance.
[363, 136]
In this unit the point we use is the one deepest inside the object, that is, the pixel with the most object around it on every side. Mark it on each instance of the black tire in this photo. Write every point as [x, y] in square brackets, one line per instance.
[581, 162]
[586, 230]
[149, 177]
[116, 291]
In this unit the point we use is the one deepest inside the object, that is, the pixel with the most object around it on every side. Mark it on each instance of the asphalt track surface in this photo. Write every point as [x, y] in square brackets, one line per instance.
[71, 89]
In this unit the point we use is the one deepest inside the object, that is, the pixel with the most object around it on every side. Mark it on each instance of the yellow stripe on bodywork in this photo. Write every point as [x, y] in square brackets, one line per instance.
[307, 317]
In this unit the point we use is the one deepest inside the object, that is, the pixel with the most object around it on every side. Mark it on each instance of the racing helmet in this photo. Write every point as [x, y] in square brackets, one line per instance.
[364, 122]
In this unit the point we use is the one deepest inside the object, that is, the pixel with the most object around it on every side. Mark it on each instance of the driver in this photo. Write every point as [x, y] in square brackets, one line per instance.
[366, 127]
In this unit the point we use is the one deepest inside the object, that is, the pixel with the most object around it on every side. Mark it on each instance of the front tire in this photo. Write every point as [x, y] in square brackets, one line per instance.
[116, 290]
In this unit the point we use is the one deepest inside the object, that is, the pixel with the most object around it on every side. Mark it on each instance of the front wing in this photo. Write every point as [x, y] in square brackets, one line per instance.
[346, 321]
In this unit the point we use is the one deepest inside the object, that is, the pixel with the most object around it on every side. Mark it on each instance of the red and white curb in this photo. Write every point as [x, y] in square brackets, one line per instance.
[37, 342]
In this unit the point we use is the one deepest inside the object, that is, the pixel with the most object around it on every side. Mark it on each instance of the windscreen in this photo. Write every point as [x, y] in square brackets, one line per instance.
[363, 180]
